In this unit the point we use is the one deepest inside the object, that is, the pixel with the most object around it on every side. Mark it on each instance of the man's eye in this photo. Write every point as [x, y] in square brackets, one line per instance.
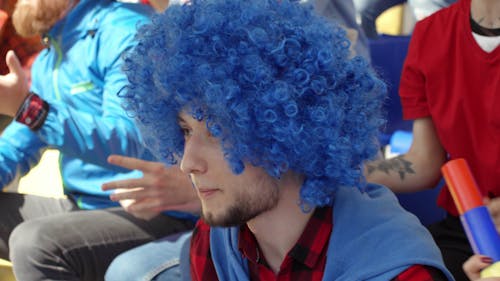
[186, 132]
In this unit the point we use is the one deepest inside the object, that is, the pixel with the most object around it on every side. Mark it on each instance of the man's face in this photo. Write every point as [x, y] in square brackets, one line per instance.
[36, 17]
[226, 199]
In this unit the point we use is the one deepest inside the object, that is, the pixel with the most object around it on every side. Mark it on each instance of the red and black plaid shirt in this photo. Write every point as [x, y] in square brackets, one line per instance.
[305, 261]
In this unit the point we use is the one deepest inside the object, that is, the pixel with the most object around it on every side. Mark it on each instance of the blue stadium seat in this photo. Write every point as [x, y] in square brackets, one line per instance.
[423, 203]
[387, 55]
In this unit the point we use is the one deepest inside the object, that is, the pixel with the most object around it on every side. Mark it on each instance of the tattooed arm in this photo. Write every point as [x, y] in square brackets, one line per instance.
[416, 170]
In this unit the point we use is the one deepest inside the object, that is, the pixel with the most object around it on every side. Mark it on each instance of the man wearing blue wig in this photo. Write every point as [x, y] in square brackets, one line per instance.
[265, 109]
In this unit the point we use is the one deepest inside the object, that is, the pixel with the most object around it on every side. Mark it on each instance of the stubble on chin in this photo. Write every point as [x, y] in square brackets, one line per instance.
[242, 210]
[233, 216]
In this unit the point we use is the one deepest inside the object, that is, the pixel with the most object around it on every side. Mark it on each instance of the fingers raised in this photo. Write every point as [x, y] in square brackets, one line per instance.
[126, 162]
[125, 184]
[134, 194]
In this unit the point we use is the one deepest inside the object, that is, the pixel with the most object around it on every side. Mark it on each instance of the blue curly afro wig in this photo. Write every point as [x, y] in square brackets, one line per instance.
[272, 80]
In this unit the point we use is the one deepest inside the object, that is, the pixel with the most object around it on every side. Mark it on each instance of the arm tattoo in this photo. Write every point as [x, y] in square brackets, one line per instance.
[397, 164]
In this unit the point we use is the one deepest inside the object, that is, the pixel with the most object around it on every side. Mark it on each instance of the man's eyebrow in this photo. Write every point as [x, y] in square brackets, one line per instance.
[181, 120]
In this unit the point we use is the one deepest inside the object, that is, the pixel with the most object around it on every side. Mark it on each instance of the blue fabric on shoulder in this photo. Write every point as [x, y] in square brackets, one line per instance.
[373, 238]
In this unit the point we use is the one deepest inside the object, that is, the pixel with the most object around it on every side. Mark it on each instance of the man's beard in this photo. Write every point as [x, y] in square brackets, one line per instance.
[243, 209]
[36, 17]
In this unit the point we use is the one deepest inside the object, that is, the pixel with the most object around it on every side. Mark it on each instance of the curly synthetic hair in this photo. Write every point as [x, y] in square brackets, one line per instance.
[272, 80]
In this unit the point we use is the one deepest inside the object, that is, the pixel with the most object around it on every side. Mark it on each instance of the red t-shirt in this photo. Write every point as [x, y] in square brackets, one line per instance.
[449, 77]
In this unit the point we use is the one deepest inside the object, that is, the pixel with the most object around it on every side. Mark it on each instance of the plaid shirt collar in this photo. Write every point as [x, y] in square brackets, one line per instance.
[308, 250]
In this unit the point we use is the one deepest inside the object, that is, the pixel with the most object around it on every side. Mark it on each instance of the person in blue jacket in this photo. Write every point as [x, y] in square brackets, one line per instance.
[263, 106]
[73, 106]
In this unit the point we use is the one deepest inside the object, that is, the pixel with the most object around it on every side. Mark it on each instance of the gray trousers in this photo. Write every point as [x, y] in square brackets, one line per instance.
[51, 239]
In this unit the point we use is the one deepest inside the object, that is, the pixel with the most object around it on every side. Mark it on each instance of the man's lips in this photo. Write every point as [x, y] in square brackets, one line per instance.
[207, 192]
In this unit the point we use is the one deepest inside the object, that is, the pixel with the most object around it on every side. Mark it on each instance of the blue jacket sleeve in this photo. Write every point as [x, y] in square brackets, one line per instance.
[80, 79]
[90, 132]
[20, 150]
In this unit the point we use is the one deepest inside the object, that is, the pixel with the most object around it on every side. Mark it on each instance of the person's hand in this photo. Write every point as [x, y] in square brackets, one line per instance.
[493, 206]
[13, 86]
[159, 189]
[473, 266]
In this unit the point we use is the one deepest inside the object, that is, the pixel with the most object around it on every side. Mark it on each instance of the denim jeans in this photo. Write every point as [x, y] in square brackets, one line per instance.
[158, 260]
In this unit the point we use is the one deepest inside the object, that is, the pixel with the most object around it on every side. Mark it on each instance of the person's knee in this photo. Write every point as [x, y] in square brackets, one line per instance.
[120, 269]
[31, 242]
[158, 260]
